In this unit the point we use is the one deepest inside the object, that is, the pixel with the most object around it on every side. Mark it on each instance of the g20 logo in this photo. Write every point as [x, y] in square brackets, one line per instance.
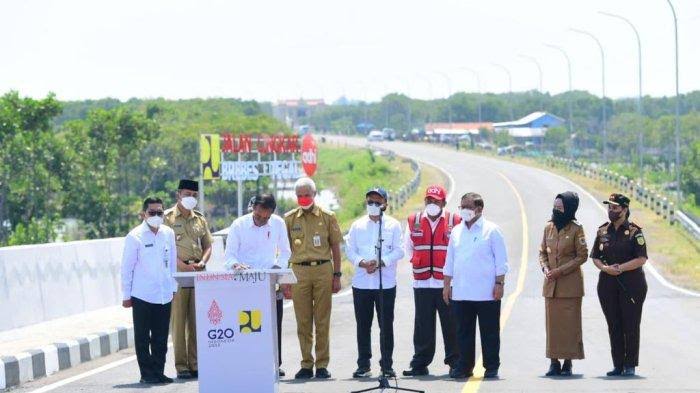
[220, 334]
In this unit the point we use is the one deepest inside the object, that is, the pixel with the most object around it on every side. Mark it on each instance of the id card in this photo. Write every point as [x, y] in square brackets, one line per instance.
[317, 240]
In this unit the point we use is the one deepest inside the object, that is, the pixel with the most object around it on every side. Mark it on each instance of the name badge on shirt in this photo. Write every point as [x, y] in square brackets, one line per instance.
[148, 245]
[317, 240]
[417, 234]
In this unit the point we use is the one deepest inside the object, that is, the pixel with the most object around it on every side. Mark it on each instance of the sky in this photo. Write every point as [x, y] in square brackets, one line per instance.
[361, 49]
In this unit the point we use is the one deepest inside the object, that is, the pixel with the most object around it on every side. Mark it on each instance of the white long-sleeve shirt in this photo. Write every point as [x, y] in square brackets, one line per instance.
[475, 257]
[431, 282]
[148, 263]
[258, 247]
[361, 244]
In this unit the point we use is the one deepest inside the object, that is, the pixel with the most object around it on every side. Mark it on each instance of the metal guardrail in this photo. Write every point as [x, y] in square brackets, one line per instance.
[657, 202]
[397, 198]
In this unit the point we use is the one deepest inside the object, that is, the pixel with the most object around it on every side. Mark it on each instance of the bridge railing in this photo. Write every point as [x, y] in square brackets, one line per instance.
[653, 199]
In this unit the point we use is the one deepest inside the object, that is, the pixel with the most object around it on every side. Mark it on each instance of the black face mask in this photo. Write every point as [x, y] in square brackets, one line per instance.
[613, 216]
[559, 219]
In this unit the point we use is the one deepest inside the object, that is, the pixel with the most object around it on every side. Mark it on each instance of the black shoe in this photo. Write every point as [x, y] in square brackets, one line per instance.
[628, 372]
[322, 373]
[184, 375]
[491, 374]
[362, 372]
[195, 374]
[415, 372]
[164, 379]
[149, 380]
[389, 373]
[616, 372]
[566, 369]
[456, 374]
[304, 373]
[281, 372]
[554, 369]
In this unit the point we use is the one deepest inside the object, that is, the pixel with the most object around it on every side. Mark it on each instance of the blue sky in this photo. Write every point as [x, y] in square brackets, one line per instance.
[269, 50]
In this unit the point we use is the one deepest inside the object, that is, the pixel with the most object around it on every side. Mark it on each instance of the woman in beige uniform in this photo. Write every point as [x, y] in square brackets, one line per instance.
[562, 253]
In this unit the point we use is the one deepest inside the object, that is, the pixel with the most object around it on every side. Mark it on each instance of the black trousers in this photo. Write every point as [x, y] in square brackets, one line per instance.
[465, 315]
[365, 302]
[428, 302]
[623, 316]
[280, 310]
[151, 324]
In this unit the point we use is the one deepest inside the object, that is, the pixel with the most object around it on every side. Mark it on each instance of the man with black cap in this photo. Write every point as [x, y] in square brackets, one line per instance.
[362, 250]
[620, 251]
[194, 242]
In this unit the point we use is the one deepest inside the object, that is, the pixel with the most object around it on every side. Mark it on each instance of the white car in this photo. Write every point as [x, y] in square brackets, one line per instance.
[375, 136]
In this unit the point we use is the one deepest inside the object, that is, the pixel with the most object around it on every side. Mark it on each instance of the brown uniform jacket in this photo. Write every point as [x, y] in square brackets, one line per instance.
[566, 250]
[312, 233]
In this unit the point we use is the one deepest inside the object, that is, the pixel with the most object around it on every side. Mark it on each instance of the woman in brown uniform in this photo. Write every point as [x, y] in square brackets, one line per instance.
[620, 251]
[562, 253]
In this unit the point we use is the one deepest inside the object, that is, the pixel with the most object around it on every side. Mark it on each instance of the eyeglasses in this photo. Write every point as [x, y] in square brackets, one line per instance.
[152, 213]
[372, 203]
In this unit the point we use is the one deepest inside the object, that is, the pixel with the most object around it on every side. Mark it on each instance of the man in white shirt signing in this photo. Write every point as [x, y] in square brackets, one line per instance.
[259, 240]
[148, 263]
[362, 250]
[475, 270]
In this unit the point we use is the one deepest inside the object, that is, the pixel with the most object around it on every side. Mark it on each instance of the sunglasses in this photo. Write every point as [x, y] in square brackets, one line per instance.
[372, 203]
[152, 213]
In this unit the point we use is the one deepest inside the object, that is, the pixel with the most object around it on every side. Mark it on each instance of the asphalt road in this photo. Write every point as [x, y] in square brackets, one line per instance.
[517, 198]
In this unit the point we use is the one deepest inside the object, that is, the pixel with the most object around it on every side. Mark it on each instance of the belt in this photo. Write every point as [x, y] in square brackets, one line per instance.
[191, 261]
[311, 263]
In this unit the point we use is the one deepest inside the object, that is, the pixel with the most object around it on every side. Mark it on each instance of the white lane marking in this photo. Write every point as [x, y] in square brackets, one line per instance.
[86, 374]
[649, 265]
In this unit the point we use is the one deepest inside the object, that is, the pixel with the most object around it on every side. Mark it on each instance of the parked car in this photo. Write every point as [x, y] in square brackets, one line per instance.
[375, 136]
[389, 134]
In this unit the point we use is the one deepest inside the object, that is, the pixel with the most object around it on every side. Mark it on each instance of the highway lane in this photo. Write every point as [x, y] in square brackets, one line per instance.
[515, 195]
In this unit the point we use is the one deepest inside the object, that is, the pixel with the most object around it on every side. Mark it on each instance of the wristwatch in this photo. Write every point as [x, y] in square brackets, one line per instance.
[337, 274]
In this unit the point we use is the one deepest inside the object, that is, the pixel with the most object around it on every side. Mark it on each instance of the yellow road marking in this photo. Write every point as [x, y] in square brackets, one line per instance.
[472, 385]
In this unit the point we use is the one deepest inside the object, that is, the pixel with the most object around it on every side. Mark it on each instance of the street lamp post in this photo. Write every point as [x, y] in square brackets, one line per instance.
[678, 110]
[640, 139]
[539, 73]
[448, 81]
[478, 87]
[568, 101]
[602, 62]
[510, 87]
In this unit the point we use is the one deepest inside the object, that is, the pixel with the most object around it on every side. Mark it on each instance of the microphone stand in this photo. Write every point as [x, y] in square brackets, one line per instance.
[383, 380]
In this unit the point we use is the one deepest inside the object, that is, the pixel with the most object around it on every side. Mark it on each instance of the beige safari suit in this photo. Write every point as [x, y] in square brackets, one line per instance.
[311, 234]
[192, 237]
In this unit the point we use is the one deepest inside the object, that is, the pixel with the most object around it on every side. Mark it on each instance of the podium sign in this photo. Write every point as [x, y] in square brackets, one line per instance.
[236, 329]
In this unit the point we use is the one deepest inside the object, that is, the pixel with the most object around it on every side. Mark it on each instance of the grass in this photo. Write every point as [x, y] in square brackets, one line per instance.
[349, 172]
[672, 250]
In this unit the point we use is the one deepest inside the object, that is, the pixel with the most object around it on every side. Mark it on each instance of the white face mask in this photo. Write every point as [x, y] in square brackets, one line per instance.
[433, 209]
[189, 202]
[154, 221]
[467, 214]
[373, 210]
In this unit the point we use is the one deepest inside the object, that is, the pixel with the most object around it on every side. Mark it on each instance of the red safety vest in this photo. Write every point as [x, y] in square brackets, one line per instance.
[430, 248]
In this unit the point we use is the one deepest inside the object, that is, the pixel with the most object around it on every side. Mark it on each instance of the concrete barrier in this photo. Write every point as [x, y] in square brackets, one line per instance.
[47, 281]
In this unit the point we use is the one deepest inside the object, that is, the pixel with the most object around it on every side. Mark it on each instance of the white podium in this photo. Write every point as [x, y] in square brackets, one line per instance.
[236, 328]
